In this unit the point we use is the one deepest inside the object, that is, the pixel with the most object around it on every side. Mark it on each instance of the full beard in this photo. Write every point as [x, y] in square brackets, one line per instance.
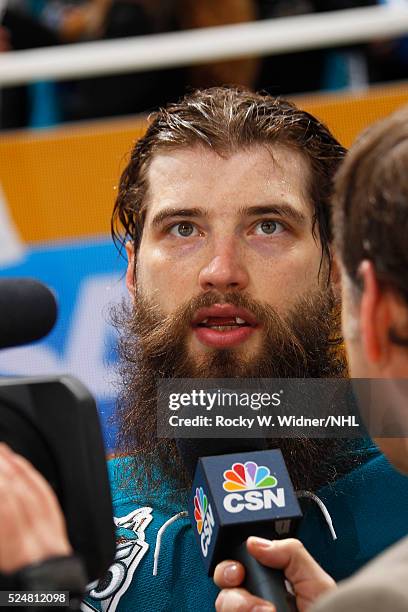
[153, 346]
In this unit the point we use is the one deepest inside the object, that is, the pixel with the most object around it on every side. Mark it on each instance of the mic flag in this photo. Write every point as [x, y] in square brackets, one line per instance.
[28, 311]
[239, 495]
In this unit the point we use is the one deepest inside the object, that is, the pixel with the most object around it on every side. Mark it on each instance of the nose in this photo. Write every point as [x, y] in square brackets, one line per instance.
[225, 270]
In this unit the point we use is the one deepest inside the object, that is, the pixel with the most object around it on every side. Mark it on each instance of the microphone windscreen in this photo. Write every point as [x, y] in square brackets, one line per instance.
[28, 311]
[191, 449]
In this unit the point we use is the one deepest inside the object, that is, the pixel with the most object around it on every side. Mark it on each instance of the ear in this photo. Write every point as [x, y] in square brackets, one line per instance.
[374, 315]
[130, 272]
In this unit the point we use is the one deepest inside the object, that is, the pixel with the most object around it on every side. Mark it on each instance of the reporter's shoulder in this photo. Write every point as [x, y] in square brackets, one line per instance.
[381, 585]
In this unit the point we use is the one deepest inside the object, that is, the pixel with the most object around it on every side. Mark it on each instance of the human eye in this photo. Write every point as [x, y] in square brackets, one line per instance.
[183, 229]
[268, 227]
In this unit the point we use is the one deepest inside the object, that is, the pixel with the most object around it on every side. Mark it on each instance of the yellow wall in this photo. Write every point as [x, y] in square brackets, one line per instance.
[60, 183]
[348, 115]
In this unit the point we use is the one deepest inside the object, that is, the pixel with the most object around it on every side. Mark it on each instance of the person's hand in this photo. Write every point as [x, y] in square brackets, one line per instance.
[32, 526]
[307, 578]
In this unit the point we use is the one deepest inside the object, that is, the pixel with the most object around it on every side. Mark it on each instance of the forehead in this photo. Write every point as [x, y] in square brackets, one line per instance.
[199, 176]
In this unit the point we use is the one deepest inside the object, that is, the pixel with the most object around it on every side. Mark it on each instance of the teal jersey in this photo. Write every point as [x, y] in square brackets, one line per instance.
[369, 508]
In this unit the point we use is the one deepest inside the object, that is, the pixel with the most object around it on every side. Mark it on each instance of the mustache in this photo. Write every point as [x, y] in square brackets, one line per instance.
[181, 319]
[159, 335]
[234, 298]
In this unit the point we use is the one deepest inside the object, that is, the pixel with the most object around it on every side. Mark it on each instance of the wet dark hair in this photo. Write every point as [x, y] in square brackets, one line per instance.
[227, 120]
[370, 206]
[371, 202]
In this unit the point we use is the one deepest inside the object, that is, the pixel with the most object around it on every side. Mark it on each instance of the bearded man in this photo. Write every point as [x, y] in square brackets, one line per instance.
[224, 211]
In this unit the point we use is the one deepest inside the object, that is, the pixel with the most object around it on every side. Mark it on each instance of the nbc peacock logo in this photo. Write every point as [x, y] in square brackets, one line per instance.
[249, 487]
[200, 508]
[248, 476]
[204, 518]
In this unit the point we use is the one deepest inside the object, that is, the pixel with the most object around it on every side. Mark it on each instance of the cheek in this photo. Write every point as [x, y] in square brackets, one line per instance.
[171, 254]
[283, 271]
[166, 276]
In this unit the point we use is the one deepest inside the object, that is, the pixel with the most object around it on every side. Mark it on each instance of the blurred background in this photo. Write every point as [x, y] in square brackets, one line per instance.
[77, 81]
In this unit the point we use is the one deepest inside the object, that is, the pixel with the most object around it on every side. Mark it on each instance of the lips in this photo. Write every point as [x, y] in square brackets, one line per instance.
[223, 325]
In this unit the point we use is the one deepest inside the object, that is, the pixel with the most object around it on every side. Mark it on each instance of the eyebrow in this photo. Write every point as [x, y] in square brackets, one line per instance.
[168, 213]
[280, 210]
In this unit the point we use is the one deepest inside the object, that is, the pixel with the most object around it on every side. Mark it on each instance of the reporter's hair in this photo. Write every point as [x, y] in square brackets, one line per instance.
[226, 120]
[370, 204]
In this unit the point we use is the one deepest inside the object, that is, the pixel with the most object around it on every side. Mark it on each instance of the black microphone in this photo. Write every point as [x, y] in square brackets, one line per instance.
[239, 491]
[28, 311]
